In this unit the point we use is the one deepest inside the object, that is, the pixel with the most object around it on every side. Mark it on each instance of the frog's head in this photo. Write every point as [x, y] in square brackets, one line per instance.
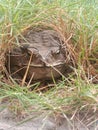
[46, 47]
[47, 56]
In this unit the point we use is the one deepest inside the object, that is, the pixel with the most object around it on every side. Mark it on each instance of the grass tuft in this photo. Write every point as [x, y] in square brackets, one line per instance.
[77, 23]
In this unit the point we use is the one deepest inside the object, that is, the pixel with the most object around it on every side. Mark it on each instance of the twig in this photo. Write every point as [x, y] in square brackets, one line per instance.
[25, 75]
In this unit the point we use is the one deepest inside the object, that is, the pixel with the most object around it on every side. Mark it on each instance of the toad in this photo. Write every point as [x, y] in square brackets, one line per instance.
[48, 55]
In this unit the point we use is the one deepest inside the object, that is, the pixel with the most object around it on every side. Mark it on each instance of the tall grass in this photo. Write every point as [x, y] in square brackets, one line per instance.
[77, 22]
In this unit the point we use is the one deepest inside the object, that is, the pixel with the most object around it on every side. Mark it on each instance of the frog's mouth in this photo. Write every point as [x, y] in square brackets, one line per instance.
[45, 64]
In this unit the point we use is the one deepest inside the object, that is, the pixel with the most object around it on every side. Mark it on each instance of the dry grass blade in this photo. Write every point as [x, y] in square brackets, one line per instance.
[25, 75]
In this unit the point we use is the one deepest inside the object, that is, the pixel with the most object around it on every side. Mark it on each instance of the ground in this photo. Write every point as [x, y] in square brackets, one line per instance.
[36, 121]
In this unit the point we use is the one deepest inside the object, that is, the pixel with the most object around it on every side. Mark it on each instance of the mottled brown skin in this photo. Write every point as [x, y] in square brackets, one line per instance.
[48, 55]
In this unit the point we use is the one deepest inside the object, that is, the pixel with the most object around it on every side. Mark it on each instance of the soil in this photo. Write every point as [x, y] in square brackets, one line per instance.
[8, 121]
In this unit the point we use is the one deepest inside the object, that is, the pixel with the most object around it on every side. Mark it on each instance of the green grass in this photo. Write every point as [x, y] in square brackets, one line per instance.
[78, 18]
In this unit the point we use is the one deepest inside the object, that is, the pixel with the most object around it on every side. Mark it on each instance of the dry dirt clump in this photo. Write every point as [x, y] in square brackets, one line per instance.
[41, 54]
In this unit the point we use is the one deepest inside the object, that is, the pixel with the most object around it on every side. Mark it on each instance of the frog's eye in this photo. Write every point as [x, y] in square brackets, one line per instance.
[55, 52]
[24, 46]
[58, 52]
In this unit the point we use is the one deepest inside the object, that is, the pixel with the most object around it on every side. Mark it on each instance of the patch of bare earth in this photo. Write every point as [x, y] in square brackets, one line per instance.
[36, 121]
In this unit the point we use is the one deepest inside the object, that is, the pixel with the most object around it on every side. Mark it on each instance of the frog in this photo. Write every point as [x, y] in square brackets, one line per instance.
[47, 52]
